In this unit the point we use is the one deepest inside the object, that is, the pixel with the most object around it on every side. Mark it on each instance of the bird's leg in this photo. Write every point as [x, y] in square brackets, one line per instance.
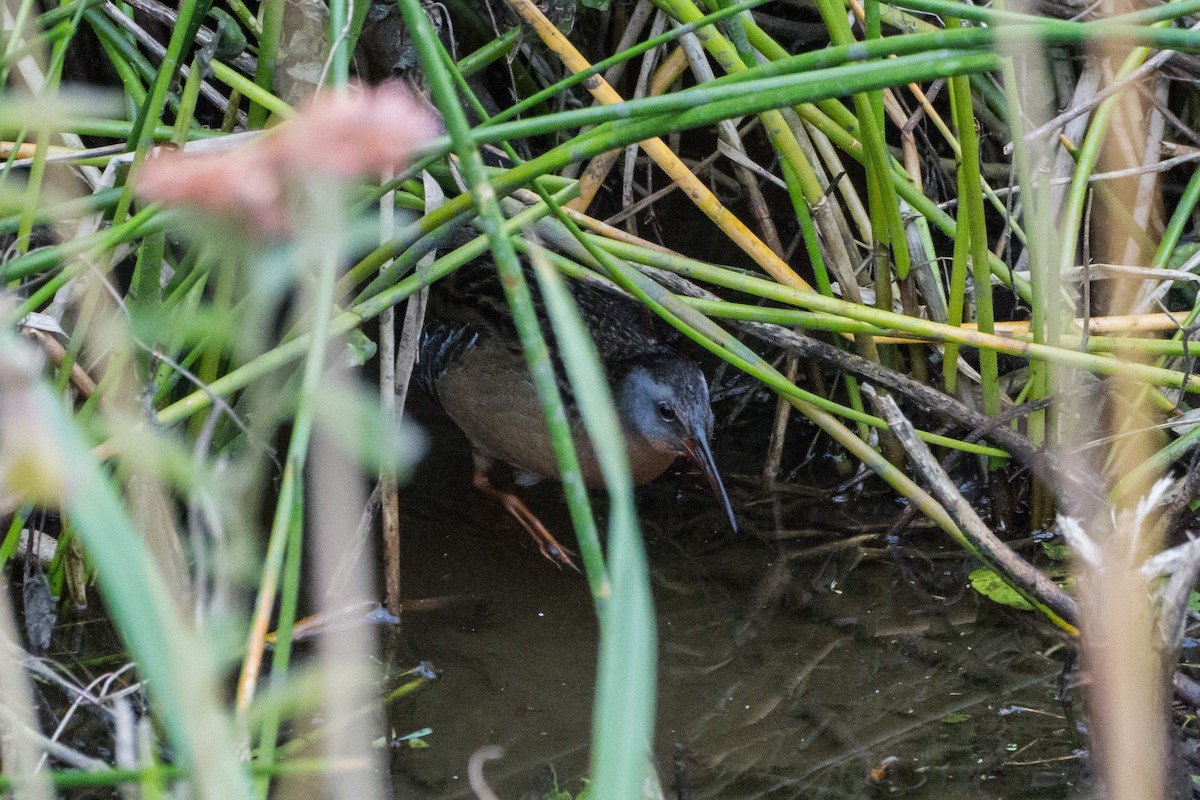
[545, 541]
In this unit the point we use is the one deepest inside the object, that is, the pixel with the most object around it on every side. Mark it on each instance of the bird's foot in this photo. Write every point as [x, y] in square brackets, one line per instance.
[547, 545]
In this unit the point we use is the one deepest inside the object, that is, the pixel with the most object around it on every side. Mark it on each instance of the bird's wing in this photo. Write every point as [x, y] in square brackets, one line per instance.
[469, 306]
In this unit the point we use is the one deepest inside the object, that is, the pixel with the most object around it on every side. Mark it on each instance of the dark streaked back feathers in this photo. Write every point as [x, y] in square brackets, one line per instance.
[468, 308]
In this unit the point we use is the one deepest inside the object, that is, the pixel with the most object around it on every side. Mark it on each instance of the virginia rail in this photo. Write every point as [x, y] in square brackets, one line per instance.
[472, 364]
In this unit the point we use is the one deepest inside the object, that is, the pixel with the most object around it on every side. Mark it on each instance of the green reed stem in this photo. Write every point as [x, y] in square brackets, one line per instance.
[576, 78]
[971, 206]
[37, 171]
[887, 229]
[493, 51]
[271, 14]
[168, 653]
[149, 220]
[1049, 25]
[712, 337]
[183, 35]
[623, 721]
[99, 779]
[324, 243]
[1089, 156]
[1181, 220]
[284, 354]
[339, 51]
[813, 301]
[261, 97]
[697, 327]
[587, 534]
[492, 221]
[281, 654]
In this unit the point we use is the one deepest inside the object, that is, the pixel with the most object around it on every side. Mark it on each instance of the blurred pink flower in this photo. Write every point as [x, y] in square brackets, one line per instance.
[347, 135]
[239, 186]
[340, 135]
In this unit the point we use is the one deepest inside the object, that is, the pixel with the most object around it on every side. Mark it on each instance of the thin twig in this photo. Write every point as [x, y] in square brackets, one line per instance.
[1018, 572]
[209, 91]
[1151, 65]
[386, 493]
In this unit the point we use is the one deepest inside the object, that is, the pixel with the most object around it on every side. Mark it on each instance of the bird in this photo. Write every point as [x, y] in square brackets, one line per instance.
[470, 362]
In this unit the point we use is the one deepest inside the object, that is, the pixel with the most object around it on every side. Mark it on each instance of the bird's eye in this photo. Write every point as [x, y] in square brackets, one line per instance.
[666, 412]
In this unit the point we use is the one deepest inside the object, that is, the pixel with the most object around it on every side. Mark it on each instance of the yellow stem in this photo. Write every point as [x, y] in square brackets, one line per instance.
[662, 155]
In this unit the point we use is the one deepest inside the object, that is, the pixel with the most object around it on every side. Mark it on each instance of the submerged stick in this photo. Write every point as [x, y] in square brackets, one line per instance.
[1018, 573]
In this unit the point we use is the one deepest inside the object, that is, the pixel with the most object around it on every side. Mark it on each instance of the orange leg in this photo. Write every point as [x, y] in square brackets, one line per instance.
[545, 541]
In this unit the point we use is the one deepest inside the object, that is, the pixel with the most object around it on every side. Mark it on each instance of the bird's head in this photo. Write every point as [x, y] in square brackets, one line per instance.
[663, 399]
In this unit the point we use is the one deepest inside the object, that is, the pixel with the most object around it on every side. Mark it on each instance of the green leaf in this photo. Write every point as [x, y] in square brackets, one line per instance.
[1182, 254]
[230, 40]
[1058, 551]
[1184, 291]
[992, 586]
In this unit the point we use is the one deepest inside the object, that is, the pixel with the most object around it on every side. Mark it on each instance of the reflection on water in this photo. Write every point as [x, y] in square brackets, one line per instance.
[783, 673]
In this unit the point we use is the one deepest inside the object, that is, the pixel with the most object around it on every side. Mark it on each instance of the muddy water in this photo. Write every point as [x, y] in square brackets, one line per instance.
[784, 671]
[790, 666]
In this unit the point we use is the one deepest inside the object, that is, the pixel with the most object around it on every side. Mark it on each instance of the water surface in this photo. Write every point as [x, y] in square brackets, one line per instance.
[789, 668]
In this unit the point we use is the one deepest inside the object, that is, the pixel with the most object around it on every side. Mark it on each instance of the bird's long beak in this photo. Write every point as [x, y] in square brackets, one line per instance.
[698, 450]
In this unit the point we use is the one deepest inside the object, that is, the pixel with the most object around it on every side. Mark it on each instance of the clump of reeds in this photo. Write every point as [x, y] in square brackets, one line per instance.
[901, 173]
